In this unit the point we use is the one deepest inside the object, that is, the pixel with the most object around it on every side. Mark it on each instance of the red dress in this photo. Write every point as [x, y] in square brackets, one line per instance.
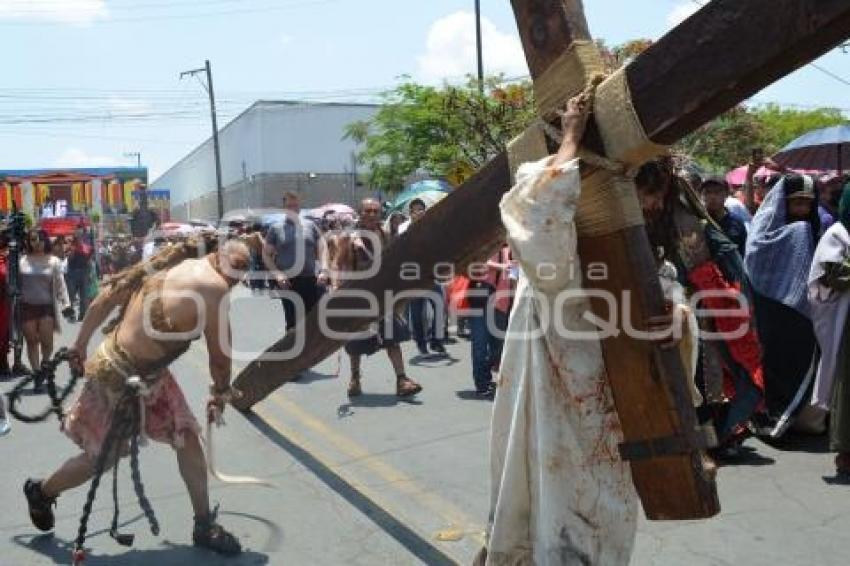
[4, 311]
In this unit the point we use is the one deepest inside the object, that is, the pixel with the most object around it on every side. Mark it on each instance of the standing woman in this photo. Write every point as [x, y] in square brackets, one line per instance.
[43, 296]
[780, 249]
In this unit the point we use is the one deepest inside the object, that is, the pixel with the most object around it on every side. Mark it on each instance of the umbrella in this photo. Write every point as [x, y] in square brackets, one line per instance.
[430, 198]
[429, 191]
[738, 176]
[428, 186]
[337, 208]
[175, 229]
[827, 149]
[63, 226]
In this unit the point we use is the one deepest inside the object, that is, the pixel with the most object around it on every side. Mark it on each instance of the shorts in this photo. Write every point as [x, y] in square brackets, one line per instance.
[36, 312]
[391, 332]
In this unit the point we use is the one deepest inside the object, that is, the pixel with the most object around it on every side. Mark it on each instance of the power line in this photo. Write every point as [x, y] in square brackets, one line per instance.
[51, 8]
[178, 16]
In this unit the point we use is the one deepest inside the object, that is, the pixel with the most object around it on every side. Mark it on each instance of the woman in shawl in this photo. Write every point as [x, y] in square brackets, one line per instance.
[780, 249]
[829, 294]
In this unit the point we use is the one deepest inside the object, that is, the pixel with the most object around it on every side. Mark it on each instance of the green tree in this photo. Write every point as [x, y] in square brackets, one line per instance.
[726, 141]
[437, 130]
[783, 125]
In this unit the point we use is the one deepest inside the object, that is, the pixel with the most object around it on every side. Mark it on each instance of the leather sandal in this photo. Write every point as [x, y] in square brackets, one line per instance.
[40, 506]
[354, 389]
[406, 387]
[209, 534]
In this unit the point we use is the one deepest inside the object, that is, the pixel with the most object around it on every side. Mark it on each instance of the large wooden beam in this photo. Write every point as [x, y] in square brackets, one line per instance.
[681, 65]
[458, 227]
[726, 52]
[648, 385]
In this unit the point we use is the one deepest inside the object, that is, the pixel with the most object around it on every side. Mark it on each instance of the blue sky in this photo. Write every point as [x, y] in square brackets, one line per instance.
[114, 64]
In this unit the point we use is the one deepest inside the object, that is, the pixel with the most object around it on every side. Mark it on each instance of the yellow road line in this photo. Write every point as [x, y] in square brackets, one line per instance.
[394, 477]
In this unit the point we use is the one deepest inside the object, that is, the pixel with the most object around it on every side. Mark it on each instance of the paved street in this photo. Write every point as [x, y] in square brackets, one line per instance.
[379, 481]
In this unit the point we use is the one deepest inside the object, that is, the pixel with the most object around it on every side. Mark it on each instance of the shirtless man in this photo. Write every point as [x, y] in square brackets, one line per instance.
[186, 298]
[354, 252]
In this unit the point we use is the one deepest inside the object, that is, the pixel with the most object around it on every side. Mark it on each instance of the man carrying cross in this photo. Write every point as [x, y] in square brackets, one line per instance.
[560, 492]
[164, 304]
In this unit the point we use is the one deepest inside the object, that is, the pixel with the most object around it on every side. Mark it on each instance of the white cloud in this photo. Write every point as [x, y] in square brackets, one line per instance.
[450, 51]
[74, 12]
[74, 157]
[681, 12]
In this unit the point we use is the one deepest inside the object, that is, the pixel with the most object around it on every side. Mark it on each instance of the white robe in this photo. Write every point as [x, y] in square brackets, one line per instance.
[829, 310]
[560, 493]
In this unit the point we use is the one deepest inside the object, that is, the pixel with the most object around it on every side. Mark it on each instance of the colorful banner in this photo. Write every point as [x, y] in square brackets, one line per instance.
[75, 186]
[6, 197]
[41, 193]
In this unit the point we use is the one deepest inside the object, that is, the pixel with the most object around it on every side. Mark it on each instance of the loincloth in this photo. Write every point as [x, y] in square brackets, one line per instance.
[167, 416]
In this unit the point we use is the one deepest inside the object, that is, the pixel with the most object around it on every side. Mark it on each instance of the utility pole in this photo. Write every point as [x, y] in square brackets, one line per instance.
[137, 155]
[479, 46]
[244, 184]
[208, 86]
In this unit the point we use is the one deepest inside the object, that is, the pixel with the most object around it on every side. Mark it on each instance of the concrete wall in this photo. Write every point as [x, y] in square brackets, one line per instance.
[271, 147]
[266, 191]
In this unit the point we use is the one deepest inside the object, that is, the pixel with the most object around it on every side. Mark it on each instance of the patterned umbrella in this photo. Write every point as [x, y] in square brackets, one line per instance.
[429, 191]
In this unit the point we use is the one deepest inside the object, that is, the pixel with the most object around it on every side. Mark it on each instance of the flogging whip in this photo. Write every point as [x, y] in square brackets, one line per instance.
[57, 395]
[214, 417]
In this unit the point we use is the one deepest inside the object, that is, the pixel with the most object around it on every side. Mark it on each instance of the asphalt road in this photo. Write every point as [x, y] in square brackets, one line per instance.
[379, 481]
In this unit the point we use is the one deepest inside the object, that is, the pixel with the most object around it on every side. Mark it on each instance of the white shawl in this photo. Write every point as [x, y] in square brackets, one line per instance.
[559, 492]
[829, 309]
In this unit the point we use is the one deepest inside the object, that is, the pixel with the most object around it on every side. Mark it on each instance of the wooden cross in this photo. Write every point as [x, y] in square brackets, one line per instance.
[723, 54]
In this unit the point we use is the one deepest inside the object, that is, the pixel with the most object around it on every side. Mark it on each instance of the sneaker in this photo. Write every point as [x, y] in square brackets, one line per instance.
[488, 392]
[41, 512]
[406, 387]
[354, 389]
[438, 348]
[209, 534]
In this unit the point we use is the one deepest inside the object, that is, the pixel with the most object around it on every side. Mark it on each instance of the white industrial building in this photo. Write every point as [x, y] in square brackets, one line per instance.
[272, 147]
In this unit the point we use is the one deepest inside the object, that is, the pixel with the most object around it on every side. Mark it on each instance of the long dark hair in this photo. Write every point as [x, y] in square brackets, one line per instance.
[658, 176]
[42, 236]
